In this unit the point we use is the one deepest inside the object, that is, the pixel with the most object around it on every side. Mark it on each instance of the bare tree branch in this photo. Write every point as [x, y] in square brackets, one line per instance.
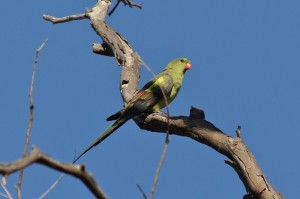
[202, 131]
[36, 156]
[31, 116]
[56, 20]
[122, 51]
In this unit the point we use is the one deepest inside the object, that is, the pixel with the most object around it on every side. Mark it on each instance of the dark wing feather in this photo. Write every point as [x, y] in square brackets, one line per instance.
[147, 97]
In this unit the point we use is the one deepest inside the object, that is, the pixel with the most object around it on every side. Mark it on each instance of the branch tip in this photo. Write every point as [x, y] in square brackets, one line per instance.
[82, 167]
[125, 2]
[238, 131]
[131, 5]
[102, 49]
[141, 190]
[56, 20]
[3, 180]
[230, 163]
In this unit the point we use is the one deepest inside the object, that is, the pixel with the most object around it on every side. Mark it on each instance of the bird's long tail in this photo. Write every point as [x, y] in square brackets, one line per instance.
[104, 135]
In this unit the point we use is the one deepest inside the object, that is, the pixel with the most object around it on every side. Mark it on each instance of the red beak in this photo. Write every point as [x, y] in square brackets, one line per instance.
[188, 66]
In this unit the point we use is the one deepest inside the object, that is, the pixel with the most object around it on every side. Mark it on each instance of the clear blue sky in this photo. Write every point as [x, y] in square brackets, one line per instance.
[246, 69]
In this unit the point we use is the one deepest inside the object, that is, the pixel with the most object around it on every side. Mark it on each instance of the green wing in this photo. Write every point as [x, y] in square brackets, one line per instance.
[151, 94]
[163, 81]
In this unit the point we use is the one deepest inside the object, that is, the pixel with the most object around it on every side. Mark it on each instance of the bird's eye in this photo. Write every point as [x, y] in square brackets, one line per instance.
[182, 60]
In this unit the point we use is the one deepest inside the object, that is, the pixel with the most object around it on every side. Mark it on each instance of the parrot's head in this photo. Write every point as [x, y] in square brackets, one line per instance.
[179, 65]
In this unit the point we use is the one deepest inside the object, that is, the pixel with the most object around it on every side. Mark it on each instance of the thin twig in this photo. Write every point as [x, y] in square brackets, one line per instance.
[238, 131]
[141, 190]
[52, 186]
[126, 2]
[31, 116]
[6, 191]
[114, 8]
[163, 155]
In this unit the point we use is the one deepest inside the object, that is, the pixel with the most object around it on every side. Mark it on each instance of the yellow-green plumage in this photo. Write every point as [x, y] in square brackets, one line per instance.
[149, 98]
[177, 77]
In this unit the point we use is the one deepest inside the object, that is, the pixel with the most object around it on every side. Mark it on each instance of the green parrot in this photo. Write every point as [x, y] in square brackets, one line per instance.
[149, 98]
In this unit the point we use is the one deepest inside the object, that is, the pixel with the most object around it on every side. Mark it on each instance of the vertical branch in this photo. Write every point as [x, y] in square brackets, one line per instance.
[167, 141]
[31, 116]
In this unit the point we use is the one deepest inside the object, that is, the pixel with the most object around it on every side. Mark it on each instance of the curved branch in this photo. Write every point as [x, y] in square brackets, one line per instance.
[37, 156]
[201, 130]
